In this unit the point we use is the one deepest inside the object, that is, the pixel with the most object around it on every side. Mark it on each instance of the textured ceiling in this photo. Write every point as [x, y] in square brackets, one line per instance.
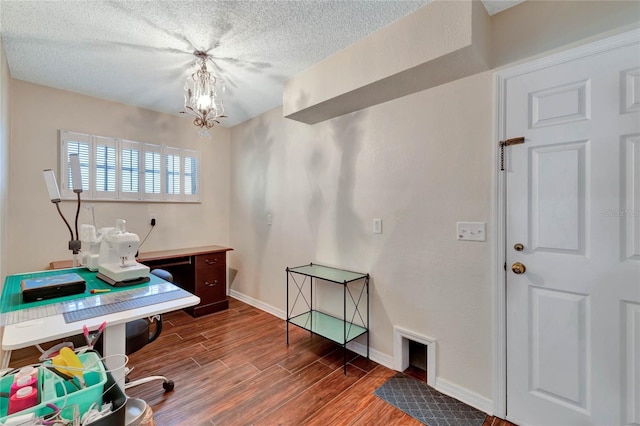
[140, 53]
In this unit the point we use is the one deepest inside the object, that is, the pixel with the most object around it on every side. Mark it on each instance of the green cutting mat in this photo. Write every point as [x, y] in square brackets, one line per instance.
[11, 299]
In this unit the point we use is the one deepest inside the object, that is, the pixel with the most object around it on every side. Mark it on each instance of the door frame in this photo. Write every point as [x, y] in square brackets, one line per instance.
[502, 76]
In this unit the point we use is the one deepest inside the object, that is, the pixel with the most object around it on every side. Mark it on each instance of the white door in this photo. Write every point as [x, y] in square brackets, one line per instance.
[573, 202]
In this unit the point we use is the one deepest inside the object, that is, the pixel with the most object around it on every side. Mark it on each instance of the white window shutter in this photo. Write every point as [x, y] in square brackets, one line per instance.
[152, 172]
[116, 169]
[106, 181]
[74, 143]
[191, 175]
[130, 170]
[172, 173]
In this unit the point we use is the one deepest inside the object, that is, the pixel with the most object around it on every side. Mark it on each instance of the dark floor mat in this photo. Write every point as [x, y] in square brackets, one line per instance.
[427, 405]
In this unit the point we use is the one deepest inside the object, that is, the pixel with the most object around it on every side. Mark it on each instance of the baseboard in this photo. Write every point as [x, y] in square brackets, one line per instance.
[258, 304]
[375, 356]
[468, 397]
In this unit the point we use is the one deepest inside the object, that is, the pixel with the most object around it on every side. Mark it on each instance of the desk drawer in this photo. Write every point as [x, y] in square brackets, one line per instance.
[211, 284]
[210, 259]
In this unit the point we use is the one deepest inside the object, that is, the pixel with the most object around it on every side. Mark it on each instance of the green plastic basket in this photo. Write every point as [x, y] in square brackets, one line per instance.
[54, 390]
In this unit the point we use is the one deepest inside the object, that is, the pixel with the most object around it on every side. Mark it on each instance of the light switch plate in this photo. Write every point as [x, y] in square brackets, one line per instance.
[377, 226]
[471, 231]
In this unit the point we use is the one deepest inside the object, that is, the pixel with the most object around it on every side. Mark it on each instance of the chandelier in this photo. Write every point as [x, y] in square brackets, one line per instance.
[201, 99]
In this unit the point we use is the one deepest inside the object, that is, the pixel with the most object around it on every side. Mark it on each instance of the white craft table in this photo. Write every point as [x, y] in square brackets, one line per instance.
[44, 324]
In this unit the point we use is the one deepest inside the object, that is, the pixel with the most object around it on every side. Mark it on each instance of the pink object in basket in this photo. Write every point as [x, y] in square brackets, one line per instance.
[24, 398]
[21, 383]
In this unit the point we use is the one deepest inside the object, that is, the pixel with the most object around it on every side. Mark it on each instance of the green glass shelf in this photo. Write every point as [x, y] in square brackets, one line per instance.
[328, 274]
[327, 326]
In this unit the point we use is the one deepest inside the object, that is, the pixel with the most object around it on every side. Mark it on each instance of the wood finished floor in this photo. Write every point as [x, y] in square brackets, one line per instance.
[234, 368]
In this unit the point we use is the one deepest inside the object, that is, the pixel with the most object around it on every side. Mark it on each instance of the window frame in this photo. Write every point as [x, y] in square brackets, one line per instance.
[66, 138]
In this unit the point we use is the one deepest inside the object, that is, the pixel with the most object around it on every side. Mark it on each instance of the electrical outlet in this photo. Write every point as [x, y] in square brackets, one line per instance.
[152, 220]
[471, 231]
[269, 220]
[377, 226]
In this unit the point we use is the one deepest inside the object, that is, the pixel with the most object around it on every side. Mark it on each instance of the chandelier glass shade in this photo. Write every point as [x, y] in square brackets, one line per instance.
[201, 99]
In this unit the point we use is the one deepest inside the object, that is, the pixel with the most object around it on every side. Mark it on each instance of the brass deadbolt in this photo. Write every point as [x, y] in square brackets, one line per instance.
[518, 247]
[518, 268]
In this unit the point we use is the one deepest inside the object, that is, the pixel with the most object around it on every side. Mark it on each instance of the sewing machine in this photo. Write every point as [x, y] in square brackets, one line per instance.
[90, 252]
[117, 265]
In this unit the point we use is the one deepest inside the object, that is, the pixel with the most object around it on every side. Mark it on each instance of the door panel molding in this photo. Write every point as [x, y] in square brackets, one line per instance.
[630, 99]
[631, 351]
[547, 308]
[630, 196]
[560, 105]
[565, 233]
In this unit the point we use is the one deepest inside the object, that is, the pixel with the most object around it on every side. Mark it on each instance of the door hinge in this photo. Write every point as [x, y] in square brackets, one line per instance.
[508, 142]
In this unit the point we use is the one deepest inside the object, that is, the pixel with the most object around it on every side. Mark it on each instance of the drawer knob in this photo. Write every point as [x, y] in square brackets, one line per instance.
[215, 282]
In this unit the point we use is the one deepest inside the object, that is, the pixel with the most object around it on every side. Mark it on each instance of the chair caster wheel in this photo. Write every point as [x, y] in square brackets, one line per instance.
[168, 385]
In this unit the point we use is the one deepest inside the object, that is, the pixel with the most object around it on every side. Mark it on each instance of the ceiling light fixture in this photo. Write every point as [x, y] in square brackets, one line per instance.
[201, 99]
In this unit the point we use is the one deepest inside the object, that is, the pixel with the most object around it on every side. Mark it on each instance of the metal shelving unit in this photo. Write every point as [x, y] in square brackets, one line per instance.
[340, 330]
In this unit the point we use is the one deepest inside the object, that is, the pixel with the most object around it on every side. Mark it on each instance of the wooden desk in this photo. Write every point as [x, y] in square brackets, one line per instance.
[199, 270]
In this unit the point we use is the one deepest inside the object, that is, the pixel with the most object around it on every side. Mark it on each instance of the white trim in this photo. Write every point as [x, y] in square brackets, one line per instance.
[461, 394]
[401, 337]
[374, 355]
[499, 255]
[258, 304]
[499, 292]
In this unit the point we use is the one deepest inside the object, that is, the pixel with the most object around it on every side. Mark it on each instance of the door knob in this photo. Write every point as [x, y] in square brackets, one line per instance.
[518, 268]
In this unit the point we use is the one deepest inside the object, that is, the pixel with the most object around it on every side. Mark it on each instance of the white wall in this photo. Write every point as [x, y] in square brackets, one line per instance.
[37, 235]
[420, 163]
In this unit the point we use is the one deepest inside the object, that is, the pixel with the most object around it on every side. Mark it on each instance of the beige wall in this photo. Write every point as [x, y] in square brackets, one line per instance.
[4, 170]
[4, 161]
[420, 163]
[37, 235]
[535, 26]
[440, 42]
